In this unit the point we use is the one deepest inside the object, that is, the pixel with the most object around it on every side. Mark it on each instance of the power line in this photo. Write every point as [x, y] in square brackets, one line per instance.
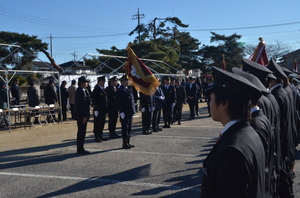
[247, 27]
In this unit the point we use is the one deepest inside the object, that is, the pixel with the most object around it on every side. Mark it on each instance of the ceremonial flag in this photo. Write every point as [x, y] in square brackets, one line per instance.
[295, 66]
[141, 77]
[223, 63]
[260, 53]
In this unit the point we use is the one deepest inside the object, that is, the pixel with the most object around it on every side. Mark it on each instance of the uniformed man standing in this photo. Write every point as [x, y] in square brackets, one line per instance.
[99, 101]
[263, 127]
[235, 166]
[82, 113]
[159, 104]
[147, 103]
[286, 136]
[125, 101]
[111, 91]
[16, 92]
[170, 101]
[191, 94]
[71, 91]
[180, 100]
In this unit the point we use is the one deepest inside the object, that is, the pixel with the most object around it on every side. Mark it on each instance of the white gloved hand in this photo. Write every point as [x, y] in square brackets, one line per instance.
[143, 110]
[96, 113]
[173, 105]
[151, 109]
[122, 115]
[161, 97]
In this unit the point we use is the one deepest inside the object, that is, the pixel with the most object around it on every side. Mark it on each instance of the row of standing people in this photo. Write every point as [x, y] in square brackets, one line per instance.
[255, 119]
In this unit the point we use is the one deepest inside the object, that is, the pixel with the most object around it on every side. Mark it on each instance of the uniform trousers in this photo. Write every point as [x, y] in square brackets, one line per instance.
[99, 122]
[146, 120]
[177, 113]
[168, 114]
[156, 118]
[81, 134]
[192, 103]
[72, 110]
[126, 126]
[112, 122]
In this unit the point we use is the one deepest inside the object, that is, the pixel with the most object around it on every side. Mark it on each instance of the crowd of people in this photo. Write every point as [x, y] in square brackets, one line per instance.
[254, 155]
[120, 100]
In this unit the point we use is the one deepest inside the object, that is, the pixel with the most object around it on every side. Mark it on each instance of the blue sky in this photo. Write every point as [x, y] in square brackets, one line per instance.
[82, 26]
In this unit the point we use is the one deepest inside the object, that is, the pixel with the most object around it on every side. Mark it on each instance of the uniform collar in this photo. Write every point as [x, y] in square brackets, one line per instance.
[228, 125]
[275, 87]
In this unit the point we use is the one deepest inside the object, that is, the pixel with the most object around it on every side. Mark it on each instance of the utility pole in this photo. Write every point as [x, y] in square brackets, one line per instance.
[51, 38]
[74, 55]
[138, 16]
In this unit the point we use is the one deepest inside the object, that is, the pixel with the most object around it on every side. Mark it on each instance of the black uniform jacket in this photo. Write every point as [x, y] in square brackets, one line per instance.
[125, 101]
[263, 127]
[64, 95]
[33, 97]
[82, 104]
[286, 132]
[111, 92]
[50, 95]
[158, 102]
[180, 96]
[191, 92]
[235, 166]
[170, 94]
[147, 101]
[15, 92]
[99, 100]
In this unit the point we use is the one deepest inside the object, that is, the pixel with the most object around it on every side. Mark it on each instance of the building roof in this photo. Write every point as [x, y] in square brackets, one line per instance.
[73, 64]
[45, 66]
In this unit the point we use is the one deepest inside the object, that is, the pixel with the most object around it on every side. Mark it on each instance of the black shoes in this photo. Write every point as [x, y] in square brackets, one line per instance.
[98, 140]
[155, 130]
[160, 129]
[179, 123]
[113, 136]
[167, 126]
[83, 152]
[146, 133]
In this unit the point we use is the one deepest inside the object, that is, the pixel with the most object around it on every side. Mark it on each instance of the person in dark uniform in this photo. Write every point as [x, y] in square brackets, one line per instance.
[50, 97]
[270, 109]
[126, 108]
[285, 188]
[33, 95]
[198, 83]
[111, 91]
[88, 87]
[16, 92]
[191, 94]
[207, 95]
[64, 100]
[82, 113]
[50, 94]
[170, 101]
[147, 103]
[33, 99]
[159, 104]
[235, 166]
[71, 92]
[264, 129]
[180, 100]
[99, 101]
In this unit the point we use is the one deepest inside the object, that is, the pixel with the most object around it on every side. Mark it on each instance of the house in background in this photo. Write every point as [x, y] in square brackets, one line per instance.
[291, 60]
[76, 67]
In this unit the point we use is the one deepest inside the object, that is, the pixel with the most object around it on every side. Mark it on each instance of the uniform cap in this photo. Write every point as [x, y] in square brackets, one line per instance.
[125, 77]
[114, 78]
[82, 79]
[258, 70]
[253, 79]
[276, 69]
[100, 78]
[286, 71]
[235, 83]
